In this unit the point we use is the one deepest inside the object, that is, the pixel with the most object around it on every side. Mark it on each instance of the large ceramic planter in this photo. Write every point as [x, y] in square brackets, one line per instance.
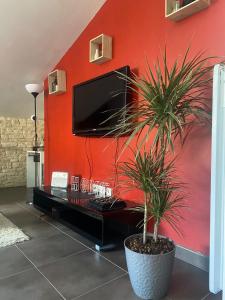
[149, 274]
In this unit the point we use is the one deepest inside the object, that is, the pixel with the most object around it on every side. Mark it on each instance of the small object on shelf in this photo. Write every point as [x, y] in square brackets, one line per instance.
[91, 182]
[99, 189]
[54, 84]
[176, 5]
[59, 180]
[75, 183]
[188, 8]
[96, 53]
[57, 82]
[84, 185]
[94, 188]
[100, 49]
[108, 190]
[107, 204]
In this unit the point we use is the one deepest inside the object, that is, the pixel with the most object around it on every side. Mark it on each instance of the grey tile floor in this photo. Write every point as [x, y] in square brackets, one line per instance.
[57, 263]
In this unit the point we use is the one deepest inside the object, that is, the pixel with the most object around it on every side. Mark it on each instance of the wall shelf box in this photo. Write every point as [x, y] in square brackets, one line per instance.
[57, 82]
[184, 11]
[100, 49]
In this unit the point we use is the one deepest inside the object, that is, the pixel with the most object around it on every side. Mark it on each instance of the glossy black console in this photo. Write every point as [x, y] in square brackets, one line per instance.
[74, 210]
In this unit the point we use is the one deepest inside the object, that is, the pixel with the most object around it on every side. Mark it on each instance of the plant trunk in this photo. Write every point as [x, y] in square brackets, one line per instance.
[156, 227]
[145, 221]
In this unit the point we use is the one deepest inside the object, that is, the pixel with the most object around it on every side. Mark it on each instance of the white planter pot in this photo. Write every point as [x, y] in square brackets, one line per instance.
[149, 274]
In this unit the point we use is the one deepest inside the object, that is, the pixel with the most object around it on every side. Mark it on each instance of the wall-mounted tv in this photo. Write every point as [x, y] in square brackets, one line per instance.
[95, 100]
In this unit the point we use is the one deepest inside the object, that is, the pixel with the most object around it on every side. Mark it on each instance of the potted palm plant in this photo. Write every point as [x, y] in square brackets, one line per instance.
[171, 101]
[150, 257]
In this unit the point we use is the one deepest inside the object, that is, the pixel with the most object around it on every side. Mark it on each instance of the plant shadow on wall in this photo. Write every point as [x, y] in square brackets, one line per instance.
[171, 101]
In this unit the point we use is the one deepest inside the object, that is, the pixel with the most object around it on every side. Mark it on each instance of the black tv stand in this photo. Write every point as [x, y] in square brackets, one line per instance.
[104, 228]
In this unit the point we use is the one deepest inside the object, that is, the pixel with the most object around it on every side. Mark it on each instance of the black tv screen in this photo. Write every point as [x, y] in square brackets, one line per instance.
[95, 100]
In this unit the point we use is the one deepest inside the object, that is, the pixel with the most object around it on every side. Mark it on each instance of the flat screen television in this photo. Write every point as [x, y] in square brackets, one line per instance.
[95, 100]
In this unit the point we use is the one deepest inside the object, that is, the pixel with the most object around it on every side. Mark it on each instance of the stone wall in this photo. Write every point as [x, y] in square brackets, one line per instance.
[16, 138]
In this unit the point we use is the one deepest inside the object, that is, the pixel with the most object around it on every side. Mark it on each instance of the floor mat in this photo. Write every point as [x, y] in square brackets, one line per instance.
[10, 233]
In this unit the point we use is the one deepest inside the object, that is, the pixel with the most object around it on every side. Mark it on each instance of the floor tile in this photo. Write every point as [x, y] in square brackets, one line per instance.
[39, 229]
[184, 289]
[119, 289]
[20, 216]
[188, 282]
[58, 225]
[17, 194]
[29, 285]
[77, 236]
[4, 207]
[48, 218]
[46, 250]
[117, 256]
[69, 231]
[7, 206]
[12, 261]
[29, 223]
[80, 273]
[84, 276]
[214, 297]
[30, 208]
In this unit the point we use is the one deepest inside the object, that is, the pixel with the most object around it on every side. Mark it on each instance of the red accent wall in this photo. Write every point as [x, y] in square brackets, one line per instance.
[139, 30]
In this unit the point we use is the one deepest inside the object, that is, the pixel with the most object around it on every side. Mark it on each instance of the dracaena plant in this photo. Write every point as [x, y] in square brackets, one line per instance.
[170, 101]
[149, 173]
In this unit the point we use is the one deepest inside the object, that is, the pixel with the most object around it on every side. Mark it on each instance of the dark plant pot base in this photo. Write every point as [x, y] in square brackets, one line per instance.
[162, 246]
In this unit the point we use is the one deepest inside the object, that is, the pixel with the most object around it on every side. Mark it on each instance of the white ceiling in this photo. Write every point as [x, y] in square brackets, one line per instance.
[34, 35]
